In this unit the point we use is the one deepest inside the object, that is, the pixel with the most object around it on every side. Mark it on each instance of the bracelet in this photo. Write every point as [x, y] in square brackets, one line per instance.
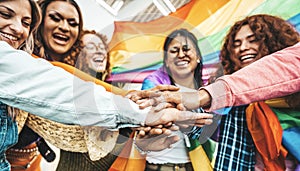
[142, 152]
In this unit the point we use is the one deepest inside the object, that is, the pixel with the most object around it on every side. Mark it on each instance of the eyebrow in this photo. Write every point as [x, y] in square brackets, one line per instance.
[9, 9]
[250, 36]
[12, 11]
[247, 37]
[62, 17]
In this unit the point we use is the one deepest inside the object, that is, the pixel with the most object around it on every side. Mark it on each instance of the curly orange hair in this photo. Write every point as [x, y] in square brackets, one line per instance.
[82, 64]
[272, 32]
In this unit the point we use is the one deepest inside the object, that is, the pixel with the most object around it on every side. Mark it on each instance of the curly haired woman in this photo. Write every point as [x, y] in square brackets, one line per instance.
[94, 58]
[248, 40]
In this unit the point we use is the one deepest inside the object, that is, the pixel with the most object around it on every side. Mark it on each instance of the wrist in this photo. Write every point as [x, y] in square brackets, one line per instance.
[204, 98]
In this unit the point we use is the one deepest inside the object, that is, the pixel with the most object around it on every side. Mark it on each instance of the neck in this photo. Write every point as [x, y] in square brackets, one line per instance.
[98, 75]
[55, 56]
[185, 81]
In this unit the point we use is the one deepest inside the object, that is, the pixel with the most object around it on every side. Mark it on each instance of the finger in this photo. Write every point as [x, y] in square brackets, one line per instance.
[158, 126]
[169, 124]
[174, 127]
[166, 131]
[140, 101]
[150, 93]
[162, 106]
[155, 131]
[130, 94]
[134, 95]
[180, 106]
[198, 122]
[147, 103]
[188, 115]
[204, 122]
[146, 129]
[141, 133]
[166, 87]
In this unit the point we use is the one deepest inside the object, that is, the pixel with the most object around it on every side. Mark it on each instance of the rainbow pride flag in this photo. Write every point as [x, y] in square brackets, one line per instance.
[136, 48]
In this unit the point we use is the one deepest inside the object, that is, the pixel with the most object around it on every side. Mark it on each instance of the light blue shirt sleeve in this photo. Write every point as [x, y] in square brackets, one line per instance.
[36, 86]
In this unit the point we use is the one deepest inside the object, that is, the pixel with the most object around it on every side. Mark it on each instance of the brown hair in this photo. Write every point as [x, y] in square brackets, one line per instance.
[82, 64]
[188, 35]
[272, 32]
[36, 17]
[39, 40]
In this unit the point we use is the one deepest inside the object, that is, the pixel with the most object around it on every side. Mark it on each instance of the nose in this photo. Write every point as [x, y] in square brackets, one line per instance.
[17, 26]
[244, 45]
[64, 25]
[181, 53]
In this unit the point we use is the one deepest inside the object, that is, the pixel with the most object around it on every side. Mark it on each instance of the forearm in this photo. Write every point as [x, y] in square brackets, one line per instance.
[34, 85]
[273, 76]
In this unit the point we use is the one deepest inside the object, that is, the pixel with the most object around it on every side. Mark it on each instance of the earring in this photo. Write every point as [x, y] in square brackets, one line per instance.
[198, 60]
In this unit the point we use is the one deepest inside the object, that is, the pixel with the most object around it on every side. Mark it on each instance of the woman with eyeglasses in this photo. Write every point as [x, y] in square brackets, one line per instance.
[94, 58]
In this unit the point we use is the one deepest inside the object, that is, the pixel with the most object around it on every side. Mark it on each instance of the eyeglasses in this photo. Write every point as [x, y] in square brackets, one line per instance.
[92, 47]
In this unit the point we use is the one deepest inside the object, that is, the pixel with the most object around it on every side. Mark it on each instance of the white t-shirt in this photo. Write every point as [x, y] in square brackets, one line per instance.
[178, 153]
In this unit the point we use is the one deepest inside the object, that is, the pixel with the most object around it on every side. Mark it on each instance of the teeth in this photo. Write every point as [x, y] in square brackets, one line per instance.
[97, 60]
[64, 37]
[9, 36]
[246, 57]
[61, 36]
[182, 63]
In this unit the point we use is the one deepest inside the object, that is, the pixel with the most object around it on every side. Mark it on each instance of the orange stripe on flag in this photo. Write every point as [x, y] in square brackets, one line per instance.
[188, 16]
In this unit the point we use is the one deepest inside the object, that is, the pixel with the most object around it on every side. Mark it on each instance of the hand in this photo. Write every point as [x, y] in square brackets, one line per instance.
[157, 130]
[152, 142]
[135, 95]
[174, 115]
[187, 100]
[186, 125]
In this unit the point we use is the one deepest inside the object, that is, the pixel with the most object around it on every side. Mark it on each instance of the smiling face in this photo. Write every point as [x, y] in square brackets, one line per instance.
[61, 28]
[15, 21]
[181, 57]
[96, 53]
[246, 47]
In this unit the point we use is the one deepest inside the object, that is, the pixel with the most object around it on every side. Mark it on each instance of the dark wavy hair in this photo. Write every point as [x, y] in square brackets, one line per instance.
[39, 38]
[82, 64]
[273, 33]
[185, 33]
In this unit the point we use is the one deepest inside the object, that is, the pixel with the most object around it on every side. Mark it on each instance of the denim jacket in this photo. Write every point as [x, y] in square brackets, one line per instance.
[8, 136]
[36, 86]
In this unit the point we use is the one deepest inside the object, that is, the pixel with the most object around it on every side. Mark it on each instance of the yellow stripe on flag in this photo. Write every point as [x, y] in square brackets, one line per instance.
[200, 160]
[227, 15]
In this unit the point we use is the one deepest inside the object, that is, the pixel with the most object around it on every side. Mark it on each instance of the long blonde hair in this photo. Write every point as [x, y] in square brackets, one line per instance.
[28, 44]
[36, 16]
